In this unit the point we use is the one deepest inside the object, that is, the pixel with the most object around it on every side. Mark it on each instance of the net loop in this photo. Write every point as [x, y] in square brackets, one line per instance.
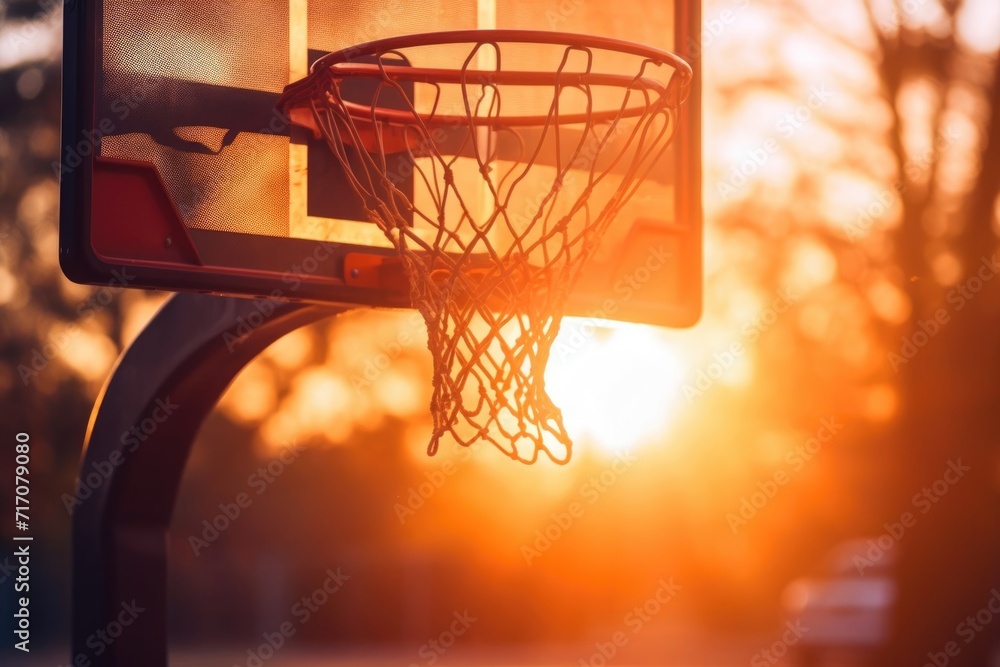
[489, 266]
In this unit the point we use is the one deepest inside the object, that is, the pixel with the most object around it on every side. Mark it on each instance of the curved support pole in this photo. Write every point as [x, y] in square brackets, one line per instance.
[140, 435]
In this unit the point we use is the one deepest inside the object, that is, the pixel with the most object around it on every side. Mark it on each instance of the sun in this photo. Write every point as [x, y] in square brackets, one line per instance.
[618, 388]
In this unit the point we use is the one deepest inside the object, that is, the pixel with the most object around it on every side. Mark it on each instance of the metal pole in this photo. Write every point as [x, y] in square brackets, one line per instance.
[138, 441]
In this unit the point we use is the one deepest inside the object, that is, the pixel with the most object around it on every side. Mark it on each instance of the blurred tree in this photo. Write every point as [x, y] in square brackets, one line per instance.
[938, 67]
[897, 177]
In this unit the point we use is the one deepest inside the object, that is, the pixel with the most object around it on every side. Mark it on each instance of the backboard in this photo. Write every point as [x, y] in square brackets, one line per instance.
[179, 173]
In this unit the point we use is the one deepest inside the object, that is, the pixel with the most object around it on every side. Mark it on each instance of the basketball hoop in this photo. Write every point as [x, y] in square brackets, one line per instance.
[548, 111]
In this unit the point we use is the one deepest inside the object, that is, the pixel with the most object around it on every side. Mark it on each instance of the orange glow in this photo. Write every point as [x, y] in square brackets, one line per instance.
[143, 56]
[322, 397]
[881, 403]
[291, 351]
[8, 286]
[618, 389]
[812, 265]
[844, 359]
[138, 315]
[889, 301]
[89, 353]
[400, 394]
[253, 395]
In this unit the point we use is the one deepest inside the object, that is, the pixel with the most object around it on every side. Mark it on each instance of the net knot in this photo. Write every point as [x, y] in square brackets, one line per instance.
[491, 259]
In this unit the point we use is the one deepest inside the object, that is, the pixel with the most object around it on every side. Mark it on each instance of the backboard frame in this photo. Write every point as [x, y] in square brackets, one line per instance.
[177, 258]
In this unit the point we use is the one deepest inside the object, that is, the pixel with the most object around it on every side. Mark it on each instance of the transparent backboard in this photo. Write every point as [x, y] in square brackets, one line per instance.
[177, 166]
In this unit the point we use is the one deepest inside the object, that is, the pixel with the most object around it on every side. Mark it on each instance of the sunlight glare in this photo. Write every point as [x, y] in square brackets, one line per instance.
[977, 22]
[322, 403]
[617, 389]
